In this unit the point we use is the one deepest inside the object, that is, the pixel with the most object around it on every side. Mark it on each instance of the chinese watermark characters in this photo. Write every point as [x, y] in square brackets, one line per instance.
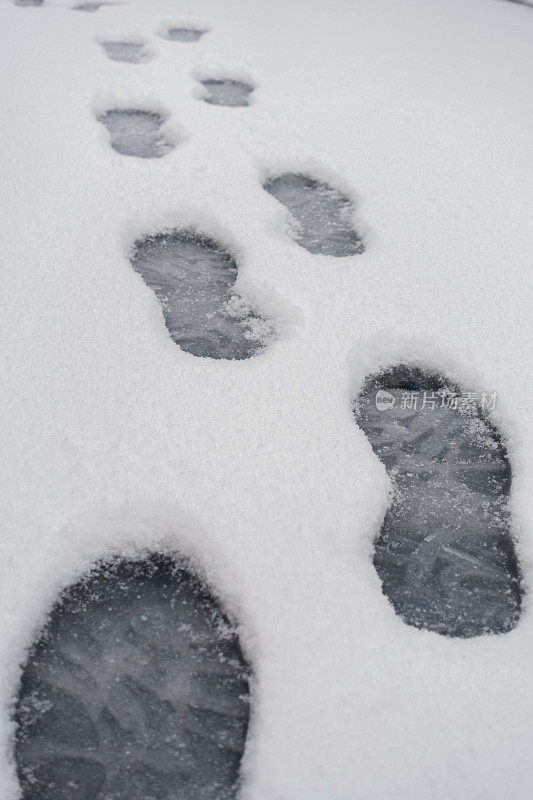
[463, 402]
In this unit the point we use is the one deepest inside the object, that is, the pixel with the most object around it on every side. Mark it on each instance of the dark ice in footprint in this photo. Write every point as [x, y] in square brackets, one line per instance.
[323, 215]
[227, 92]
[445, 554]
[136, 690]
[184, 34]
[130, 52]
[135, 132]
[193, 278]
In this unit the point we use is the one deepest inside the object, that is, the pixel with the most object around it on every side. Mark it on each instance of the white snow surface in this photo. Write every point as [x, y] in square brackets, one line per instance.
[115, 439]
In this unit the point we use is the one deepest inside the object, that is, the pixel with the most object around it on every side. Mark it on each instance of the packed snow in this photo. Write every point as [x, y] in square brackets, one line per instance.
[416, 117]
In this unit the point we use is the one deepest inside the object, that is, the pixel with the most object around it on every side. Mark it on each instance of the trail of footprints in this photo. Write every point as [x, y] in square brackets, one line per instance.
[137, 687]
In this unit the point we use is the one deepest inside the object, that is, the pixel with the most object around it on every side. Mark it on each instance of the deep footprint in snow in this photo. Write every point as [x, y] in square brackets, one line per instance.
[193, 277]
[129, 52]
[136, 689]
[227, 92]
[445, 554]
[135, 132]
[323, 215]
[183, 34]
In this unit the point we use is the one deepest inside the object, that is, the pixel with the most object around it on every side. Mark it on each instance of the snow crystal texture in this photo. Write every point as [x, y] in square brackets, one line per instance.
[136, 689]
[192, 277]
[445, 555]
[323, 215]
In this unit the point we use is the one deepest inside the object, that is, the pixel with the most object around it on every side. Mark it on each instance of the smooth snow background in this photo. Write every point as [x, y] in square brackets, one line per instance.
[114, 438]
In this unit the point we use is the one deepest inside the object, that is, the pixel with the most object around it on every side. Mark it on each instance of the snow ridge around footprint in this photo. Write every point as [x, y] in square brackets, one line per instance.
[137, 688]
[193, 277]
[322, 215]
[445, 554]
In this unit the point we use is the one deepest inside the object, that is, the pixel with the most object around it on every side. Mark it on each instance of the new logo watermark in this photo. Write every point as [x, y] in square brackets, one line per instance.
[384, 400]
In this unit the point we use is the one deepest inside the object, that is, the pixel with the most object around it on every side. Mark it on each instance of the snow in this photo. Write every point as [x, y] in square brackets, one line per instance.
[116, 439]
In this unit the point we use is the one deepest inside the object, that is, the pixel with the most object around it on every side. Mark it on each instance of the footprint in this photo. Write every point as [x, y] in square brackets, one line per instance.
[135, 132]
[137, 688]
[129, 52]
[90, 7]
[323, 215]
[183, 34]
[445, 554]
[28, 2]
[193, 277]
[227, 92]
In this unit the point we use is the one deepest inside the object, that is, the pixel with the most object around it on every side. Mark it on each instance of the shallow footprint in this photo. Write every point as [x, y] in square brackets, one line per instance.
[323, 214]
[90, 7]
[193, 278]
[183, 34]
[28, 2]
[135, 132]
[136, 689]
[445, 554]
[227, 92]
[130, 52]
